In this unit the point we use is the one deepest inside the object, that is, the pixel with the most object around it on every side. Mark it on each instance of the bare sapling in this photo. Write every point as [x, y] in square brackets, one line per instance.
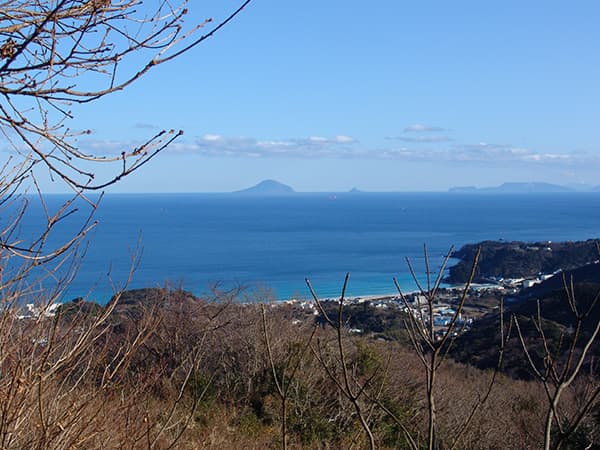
[432, 343]
[339, 368]
[562, 363]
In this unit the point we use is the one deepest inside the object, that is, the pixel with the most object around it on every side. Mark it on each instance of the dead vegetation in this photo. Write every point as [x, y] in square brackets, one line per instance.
[167, 369]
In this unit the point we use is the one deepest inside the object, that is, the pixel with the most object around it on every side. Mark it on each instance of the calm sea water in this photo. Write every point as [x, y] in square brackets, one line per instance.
[194, 240]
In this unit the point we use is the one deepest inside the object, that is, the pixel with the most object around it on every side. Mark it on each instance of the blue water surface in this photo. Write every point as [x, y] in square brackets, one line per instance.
[273, 243]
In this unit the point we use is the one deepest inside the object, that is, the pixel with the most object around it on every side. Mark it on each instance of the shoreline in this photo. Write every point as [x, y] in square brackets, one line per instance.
[104, 297]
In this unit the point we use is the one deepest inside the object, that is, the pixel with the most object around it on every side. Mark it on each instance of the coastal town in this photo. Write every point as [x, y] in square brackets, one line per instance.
[450, 308]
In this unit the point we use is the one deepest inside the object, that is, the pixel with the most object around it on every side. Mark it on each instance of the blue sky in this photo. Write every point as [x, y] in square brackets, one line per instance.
[384, 96]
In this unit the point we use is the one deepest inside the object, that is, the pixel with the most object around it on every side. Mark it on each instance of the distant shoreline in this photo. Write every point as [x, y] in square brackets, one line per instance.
[478, 192]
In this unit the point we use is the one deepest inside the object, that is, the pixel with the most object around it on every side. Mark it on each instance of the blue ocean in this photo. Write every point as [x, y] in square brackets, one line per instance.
[269, 245]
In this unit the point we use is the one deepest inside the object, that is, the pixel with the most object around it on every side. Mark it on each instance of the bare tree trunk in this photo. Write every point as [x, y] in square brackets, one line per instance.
[431, 403]
[352, 391]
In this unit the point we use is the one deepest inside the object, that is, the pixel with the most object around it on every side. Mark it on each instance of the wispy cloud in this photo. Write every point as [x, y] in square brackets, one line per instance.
[344, 139]
[346, 147]
[146, 126]
[420, 128]
[420, 139]
[212, 137]
[309, 147]
[498, 153]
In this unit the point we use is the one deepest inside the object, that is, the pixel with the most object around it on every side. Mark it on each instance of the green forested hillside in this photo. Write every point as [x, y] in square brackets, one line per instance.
[501, 259]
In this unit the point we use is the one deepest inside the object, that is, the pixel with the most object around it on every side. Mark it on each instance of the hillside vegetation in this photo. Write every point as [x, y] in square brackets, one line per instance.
[159, 367]
[500, 259]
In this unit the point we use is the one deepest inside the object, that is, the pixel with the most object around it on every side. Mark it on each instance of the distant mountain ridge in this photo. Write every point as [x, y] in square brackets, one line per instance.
[515, 188]
[267, 188]
[275, 188]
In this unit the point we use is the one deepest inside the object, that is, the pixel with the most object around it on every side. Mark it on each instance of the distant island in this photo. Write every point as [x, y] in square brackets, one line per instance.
[267, 188]
[515, 188]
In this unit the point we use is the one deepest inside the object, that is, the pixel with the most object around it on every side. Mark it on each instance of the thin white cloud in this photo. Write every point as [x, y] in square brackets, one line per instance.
[498, 153]
[274, 144]
[146, 126]
[420, 139]
[211, 137]
[309, 147]
[344, 139]
[345, 147]
[421, 128]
